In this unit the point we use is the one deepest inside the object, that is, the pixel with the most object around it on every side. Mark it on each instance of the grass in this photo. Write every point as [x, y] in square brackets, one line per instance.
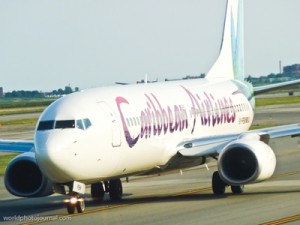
[11, 103]
[261, 126]
[13, 111]
[12, 106]
[29, 121]
[4, 160]
[277, 101]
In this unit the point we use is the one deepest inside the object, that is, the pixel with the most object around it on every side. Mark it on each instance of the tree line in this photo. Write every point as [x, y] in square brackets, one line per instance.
[38, 94]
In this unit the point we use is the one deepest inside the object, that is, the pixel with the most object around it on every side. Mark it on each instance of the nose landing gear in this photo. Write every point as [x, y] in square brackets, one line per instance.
[113, 188]
[75, 202]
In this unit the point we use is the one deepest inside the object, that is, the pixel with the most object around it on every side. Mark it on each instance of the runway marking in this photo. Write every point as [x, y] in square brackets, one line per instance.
[283, 220]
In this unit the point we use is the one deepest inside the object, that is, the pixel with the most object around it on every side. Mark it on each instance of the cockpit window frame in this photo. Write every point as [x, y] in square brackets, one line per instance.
[81, 124]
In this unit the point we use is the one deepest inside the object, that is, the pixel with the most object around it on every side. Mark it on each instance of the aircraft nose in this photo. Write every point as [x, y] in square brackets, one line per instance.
[51, 154]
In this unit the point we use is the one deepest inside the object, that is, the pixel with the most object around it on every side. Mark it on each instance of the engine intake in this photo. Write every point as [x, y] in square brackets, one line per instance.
[246, 161]
[24, 178]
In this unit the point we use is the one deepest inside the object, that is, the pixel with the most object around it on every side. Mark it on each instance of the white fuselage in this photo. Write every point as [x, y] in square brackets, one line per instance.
[135, 128]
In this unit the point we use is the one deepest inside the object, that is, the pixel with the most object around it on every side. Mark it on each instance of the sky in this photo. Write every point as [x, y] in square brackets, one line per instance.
[48, 44]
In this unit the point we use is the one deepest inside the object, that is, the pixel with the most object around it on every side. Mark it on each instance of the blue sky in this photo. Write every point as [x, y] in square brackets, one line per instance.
[47, 44]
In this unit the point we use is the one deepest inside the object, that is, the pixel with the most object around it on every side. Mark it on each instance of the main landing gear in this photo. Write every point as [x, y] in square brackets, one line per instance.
[113, 188]
[219, 186]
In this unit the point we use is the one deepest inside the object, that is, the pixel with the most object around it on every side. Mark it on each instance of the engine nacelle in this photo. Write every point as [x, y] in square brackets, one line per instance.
[24, 178]
[247, 160]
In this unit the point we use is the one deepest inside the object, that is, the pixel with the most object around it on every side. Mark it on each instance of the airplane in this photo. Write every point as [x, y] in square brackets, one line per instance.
[143, 81]
[100, 135]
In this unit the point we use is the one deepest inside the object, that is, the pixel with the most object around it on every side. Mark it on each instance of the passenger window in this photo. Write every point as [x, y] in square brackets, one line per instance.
[79, 124]
[46, 125]
[87, 123]
[62, 124]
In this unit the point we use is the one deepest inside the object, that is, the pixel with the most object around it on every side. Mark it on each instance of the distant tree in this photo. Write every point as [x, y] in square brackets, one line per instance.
[24, 94]
[60, 91]
[272, 75]
[38, 94]
[54, 92]
[68, 90]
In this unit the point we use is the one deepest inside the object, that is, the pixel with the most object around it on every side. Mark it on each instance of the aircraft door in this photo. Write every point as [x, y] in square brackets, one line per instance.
[116, 131]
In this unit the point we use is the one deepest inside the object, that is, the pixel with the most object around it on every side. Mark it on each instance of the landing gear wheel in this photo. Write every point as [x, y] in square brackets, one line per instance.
[75, 202]
[218, 184]
[80, 205]
[115, 190]
[97, 192]
[70, 208]
[239, 189]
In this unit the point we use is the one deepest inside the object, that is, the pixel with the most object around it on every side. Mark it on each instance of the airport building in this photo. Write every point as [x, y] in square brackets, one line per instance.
[293, 69]
[1, 92]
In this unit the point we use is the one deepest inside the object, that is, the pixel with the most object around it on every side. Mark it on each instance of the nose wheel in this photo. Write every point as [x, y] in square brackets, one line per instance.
[75, 202]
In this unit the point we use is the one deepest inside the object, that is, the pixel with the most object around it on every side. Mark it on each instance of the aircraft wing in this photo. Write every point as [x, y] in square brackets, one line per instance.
[212, 146]
[16, 146]
[271, 87]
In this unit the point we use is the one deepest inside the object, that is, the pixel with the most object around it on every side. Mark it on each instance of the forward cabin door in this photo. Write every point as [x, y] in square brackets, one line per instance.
[115, 126]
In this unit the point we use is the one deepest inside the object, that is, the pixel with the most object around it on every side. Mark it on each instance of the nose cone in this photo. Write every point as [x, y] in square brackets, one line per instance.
[53, 155]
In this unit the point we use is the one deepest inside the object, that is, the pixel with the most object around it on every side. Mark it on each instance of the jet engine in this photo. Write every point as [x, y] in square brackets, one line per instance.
[246, 160]
[24, 178]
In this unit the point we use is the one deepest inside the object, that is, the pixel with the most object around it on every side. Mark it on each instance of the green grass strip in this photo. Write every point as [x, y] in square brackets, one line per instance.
[24, 103]
[14, 111]
[277, 101]
[29, 121]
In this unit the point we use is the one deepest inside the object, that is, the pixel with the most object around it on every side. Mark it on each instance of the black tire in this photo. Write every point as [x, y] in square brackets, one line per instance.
[70, 208]
[115, 190]
[80, 205]
[239, 189]
[218, 185]
[97, 192]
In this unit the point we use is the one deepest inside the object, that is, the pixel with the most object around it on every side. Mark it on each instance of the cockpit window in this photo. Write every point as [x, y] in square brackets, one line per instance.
[87, 123]
[81, 124]
[46, 125]
[62, 124]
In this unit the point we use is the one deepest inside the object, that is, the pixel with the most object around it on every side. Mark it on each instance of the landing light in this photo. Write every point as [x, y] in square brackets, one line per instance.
[72, 200]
